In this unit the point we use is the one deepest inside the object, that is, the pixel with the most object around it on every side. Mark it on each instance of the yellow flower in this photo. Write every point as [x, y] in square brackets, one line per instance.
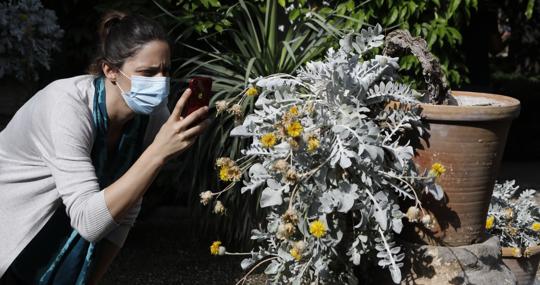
[214, 248]
[294, 129]
[296, 254]
[516, 252]
[268, 140]
[252, 91]
[224, 173]
[317, 229]
[293, 111]
[313, 143]
[535, 226]
[490, 222]
[228, 170]
[437, 169]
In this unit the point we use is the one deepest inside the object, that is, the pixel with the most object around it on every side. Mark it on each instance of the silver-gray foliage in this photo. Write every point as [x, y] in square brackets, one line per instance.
[515, 216]
[341, 158]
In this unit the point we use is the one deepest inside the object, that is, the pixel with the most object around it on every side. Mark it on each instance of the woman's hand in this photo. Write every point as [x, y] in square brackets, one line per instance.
[174, 137]
[177, 133]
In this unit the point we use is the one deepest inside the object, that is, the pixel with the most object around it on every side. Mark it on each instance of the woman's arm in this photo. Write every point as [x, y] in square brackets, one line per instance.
[175, 136]
[121, 195]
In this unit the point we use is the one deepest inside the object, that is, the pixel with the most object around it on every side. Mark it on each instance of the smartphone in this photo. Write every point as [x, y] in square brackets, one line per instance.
[201, 92]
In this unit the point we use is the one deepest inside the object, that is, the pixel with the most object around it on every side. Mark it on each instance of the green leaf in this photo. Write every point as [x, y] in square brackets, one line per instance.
[432, 37]
[530, 9]
[294, 14]
[248, 70]
[214, 3]
[289, 51]
[282, 3]
[394, 13]
[452, 7]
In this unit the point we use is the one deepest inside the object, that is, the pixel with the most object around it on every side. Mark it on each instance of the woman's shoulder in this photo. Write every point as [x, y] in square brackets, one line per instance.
[68, 100]
[78, 89]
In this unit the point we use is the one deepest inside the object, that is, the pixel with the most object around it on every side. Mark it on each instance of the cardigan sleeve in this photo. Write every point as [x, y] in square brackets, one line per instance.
[71, 139]
[119, 234]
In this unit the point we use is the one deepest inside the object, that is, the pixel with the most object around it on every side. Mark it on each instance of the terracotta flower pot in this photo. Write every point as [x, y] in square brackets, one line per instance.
[523, 267]
[469, 142]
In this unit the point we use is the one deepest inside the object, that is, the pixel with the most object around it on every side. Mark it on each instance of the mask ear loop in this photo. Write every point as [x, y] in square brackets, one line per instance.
[123, 92]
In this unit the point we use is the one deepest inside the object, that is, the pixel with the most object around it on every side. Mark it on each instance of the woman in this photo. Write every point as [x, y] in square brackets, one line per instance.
[76, 159]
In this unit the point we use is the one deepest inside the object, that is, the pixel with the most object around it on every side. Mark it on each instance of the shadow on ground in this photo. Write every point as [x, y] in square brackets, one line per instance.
[163, 249]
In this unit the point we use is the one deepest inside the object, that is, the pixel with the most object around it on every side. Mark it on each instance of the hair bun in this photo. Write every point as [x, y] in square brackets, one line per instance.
[108, 20]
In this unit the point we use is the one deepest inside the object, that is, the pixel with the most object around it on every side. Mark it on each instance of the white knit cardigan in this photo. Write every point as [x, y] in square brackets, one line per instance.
[45, 160]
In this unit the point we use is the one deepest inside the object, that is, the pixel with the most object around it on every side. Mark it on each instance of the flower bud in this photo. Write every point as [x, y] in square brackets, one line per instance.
[206, 197]
[426, 220]
[290, 216]
[300, 245]
[221, 250]
[219, 208]
[412, 214]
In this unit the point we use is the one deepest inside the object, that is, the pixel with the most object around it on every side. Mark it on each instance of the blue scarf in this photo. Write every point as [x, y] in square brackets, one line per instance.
[58, 254]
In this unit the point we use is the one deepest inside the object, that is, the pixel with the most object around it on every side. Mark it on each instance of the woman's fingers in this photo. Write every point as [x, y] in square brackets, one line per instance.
[197, 129]
[197, 116]
[177, 111]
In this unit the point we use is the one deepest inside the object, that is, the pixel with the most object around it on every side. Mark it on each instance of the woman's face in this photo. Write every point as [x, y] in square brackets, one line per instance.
[153, 59]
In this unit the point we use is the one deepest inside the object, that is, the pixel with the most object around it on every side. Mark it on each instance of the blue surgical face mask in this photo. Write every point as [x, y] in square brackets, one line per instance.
[146, 93]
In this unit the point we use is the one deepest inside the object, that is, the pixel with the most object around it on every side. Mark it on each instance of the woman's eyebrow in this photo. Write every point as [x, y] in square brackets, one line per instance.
[152, 68]
[148, 68]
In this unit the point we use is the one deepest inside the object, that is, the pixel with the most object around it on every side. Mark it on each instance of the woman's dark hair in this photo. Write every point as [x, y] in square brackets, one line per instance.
[122, 36]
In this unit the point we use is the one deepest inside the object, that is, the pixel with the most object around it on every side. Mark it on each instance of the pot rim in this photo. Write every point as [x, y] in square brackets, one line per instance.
[507, 110]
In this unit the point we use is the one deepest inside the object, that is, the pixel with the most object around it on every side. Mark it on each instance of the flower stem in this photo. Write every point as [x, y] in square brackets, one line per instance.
[244, 279]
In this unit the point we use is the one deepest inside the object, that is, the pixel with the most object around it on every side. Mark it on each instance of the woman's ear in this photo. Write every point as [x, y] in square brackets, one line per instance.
[110, 72]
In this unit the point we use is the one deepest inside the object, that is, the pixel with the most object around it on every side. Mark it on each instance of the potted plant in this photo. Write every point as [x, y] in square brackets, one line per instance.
[260, 38]
[29, 35]
[331, 159]
[467, 134]
[514, 217]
